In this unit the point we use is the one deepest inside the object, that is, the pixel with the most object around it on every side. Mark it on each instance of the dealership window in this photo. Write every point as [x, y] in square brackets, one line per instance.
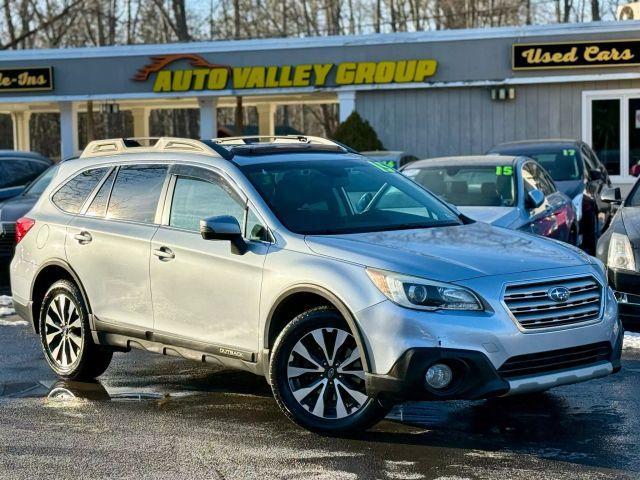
[612, 128]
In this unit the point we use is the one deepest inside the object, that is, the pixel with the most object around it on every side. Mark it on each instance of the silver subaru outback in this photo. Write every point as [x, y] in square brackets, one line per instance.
[348, 286]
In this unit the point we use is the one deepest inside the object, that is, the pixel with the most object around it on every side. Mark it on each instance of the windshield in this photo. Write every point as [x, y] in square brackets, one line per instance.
[327, 197]
[562, 164]
[42, 182]
[469, 186]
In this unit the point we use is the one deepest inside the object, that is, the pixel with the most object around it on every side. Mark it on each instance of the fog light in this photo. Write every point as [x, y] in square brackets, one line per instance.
[439, 376]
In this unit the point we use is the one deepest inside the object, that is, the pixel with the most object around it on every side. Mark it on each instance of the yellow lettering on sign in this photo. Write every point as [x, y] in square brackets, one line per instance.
[285, 76]
[321, 71]
[272, 77]
[365, 72]
[595, 54]
[218, 78]
[181, 80]
[385, 72]
[405, 71]
[240, 76]
[346, 73]
[302, 76]
[199, 76]
[163, 81]
[424, 69]
[256, 78]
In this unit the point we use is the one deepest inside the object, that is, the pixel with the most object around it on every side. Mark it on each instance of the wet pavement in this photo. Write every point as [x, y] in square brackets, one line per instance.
[160, 417]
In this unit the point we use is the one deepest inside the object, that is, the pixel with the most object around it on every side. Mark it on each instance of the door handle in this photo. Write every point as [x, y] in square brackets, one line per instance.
[164, 254]
[83, 238]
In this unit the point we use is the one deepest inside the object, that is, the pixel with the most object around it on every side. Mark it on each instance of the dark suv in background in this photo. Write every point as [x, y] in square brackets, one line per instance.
[19, 169]
[578, 173]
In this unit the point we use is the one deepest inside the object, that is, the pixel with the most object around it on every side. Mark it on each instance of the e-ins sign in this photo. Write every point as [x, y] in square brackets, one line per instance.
[26, 79]
[604, 53]
[203, 75]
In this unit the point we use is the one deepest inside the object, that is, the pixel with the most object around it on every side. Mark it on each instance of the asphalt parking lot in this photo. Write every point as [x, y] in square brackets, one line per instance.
[160, 417]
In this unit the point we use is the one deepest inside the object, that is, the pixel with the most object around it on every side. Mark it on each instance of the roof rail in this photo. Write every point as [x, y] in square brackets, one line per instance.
[295, 139]
[114, 146]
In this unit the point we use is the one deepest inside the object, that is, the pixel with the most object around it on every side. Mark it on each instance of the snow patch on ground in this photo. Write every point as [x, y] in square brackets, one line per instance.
[12, 323]
[6, 306]
[631, 340]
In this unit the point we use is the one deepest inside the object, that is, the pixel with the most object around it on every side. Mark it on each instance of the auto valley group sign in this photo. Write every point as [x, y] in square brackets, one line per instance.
[190, 72]
[588, 54]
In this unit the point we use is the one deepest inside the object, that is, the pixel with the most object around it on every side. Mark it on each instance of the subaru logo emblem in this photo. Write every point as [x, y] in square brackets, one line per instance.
[559, 294]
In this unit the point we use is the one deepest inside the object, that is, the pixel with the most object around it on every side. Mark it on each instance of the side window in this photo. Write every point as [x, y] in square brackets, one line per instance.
[255, 228]
[73, 194]
[136, 192]
[98, 207]
[591, 162]
[195, 199]
[531, 182]
[549, 185]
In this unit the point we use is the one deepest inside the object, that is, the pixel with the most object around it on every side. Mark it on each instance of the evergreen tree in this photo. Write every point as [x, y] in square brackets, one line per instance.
[358, 134]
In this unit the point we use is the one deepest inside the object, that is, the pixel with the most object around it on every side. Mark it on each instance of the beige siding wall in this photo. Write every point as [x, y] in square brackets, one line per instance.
[460, 121]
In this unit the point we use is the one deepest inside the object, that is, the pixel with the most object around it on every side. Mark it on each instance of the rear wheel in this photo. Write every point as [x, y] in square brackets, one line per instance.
[65, 335]
[318, 376]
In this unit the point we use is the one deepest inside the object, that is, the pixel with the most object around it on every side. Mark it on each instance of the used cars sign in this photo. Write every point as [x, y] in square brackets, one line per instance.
[609, 53]
[26, 79]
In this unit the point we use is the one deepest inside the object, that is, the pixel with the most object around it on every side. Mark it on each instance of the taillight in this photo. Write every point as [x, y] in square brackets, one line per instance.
[23, 225]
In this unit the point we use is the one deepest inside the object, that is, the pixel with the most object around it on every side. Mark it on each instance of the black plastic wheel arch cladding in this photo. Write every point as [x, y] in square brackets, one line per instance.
[332, 300]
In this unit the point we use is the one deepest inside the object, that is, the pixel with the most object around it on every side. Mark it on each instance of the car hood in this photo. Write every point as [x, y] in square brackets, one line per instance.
[570, 188]
[11, 210]
[499, 216]
[448, 253]
[631, 221]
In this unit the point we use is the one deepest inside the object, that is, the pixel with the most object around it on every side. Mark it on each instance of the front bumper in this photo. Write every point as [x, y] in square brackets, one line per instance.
[627, 288]
[476, 378]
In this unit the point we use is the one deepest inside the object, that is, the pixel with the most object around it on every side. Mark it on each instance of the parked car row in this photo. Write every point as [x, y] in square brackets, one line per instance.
[554, 188]
[343, 282]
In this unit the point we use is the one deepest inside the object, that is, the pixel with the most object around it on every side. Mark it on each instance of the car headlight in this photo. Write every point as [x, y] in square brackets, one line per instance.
[577, 205]
[422, 294]
[620, 253]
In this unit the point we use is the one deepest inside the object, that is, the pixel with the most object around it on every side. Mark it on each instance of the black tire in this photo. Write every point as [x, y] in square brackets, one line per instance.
[360, 416]
[67, 343]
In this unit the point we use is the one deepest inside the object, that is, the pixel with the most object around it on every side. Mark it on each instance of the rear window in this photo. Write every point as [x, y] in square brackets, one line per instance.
[563, 163]
[42, 182]
[17, 172]
[469, 186]
[73, 194]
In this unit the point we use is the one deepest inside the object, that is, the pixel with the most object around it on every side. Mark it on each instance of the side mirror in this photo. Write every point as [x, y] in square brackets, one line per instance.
[595, 175]
[534, 199]
[611, 195]
[364, 202]
[224, 227]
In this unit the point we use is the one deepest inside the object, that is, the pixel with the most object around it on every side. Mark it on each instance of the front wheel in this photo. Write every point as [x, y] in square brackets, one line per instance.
[318, 377]
[65, 335]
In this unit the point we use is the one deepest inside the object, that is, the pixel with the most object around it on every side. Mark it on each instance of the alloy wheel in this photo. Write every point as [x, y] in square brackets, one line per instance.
[326, 375]
[63, 333]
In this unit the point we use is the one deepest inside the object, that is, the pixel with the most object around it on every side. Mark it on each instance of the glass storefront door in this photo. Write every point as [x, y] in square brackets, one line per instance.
[612, 128]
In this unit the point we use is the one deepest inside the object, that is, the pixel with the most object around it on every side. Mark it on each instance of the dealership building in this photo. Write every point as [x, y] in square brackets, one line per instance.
[437, 93]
